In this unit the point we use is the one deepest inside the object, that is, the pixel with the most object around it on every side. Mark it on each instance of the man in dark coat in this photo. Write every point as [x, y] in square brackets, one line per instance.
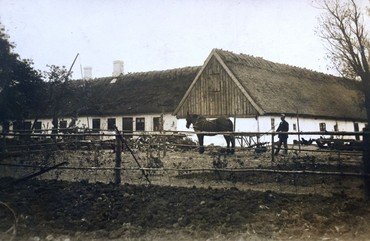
[283, 137]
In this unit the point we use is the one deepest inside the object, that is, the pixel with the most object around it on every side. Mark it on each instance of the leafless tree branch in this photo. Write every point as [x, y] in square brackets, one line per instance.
[342, 29]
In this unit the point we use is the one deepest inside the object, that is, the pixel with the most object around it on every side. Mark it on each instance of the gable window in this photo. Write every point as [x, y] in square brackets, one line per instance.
[38, 127]
[96, 124]
[322, 126]
[272, 124]
[214, 82]
[157, 124]
[140, 124]
[111, 124]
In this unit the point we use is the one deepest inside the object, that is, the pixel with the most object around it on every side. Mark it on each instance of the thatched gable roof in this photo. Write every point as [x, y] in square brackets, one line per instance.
[133, 93]
[278, 88]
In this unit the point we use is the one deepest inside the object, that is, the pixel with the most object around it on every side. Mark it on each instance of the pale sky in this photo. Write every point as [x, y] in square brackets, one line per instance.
[158, 35]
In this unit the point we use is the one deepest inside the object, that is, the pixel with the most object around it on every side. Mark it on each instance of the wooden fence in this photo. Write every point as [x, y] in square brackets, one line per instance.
[118, 140]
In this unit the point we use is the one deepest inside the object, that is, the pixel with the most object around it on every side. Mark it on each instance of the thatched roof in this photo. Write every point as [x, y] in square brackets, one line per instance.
[279, 88]
[133, 93]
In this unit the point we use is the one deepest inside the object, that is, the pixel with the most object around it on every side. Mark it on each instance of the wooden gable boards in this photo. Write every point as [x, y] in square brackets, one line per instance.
[215, 91]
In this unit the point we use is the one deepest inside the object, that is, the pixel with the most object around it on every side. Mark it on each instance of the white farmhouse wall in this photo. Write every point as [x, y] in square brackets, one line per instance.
[263, 124]
[259, 124]
[169, 122]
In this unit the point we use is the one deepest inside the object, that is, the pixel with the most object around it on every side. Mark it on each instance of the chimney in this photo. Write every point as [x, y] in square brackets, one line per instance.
[117, 68]
[87, 73]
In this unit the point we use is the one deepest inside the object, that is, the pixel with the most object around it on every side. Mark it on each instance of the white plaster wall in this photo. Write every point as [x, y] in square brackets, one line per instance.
[263, 124]
[310, 124]
[260, 124]
[169, 122]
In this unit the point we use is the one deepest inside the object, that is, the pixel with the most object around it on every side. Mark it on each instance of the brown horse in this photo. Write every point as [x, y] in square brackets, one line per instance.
[222, 124]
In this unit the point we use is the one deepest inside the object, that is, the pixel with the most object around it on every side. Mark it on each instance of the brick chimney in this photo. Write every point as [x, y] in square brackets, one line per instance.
[87, 73]
[117, 68]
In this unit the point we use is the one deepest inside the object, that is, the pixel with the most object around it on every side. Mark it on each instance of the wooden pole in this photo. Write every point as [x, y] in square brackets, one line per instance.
[44, 170]
[272, 148]
[117, 171]
[299, 136]
[234, 122]
[3, 145]
[124, 142]
[366, 160]
[258, 129]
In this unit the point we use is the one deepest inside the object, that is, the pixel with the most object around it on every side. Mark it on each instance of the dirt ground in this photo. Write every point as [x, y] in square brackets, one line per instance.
[204, 205]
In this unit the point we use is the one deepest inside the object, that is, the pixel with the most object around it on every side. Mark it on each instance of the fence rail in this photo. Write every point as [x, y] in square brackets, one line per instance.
[263, 170]
[117, 136]
[181, 133]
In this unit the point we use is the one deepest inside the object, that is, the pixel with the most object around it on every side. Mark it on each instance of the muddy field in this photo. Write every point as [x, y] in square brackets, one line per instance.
[202, 205]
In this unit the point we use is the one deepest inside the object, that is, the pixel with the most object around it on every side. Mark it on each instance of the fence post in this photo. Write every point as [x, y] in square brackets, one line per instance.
[3, 146]
[366, 160]
[117, 171]
[164, 148]
[272, 148]
[299, 136]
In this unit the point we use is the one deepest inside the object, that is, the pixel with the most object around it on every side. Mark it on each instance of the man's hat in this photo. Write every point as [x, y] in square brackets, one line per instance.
[282, 115]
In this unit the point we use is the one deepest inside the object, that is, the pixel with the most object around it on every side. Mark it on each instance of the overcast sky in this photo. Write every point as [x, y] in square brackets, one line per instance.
[157, 35]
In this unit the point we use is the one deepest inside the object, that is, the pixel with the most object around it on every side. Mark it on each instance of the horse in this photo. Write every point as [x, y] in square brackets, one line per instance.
[221, 124]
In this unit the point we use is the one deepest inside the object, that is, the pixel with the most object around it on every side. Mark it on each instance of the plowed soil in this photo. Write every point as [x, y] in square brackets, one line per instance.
[61, 210]
[182, 205]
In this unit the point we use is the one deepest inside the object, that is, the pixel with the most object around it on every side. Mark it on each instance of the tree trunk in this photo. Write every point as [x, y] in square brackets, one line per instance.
[366, 137]
[366, 162]
[366, 89]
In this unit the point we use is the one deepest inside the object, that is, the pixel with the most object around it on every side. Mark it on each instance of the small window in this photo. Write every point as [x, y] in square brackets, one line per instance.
[127, 123]
[157, 124]
[38, 127]
[17, 126]
[6, 127]
[27, 125]
[322, 126]
[294, 127]
[216, 85]
[111, 124]
[272, 124]
[63, 124]
[96, 124]
[140, 124]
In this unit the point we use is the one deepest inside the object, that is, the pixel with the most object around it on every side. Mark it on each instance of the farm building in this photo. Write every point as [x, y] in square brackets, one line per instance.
[134, 102]
[251, 91]
[254, 92]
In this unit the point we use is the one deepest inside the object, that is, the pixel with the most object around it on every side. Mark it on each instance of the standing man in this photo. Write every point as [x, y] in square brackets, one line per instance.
[283, 137]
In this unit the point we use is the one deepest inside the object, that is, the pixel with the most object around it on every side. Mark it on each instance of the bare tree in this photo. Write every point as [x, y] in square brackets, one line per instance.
[342, 27]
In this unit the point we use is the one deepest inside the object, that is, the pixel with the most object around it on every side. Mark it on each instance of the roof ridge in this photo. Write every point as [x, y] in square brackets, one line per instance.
[281, 67]
[165, 70]
[142, 73]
